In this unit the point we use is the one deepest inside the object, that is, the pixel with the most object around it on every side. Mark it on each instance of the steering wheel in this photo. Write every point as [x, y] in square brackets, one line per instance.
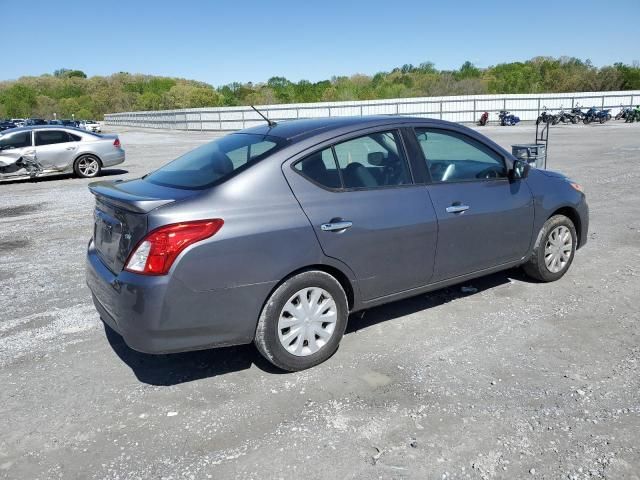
[488, 173]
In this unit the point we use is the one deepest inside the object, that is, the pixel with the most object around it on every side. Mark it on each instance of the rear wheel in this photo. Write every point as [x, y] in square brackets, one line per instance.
[87, 166]
[303, 321]
[554, 250]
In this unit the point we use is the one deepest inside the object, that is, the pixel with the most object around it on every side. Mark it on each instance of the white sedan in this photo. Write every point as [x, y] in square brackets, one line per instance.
[91, 126]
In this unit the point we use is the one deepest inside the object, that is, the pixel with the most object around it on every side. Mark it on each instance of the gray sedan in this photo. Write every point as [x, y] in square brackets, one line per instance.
[35, 151]
[274, 234]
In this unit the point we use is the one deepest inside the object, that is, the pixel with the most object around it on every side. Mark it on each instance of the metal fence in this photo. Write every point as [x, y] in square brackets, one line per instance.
[462, 109]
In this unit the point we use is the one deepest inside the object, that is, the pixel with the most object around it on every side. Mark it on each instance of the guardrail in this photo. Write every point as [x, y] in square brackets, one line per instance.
[462, 109]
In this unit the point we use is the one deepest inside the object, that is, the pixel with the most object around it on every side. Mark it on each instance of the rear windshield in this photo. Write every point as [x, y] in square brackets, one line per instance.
[215, 161]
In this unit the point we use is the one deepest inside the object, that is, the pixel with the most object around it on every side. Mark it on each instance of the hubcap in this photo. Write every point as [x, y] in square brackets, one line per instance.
[88, 166]
[307, 321]
[558, 249]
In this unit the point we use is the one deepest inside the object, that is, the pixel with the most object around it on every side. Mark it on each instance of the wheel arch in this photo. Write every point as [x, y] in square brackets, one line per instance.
[572, 214]
[335, 272]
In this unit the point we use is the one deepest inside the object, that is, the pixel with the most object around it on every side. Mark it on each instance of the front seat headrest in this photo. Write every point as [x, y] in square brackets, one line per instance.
[377, 159]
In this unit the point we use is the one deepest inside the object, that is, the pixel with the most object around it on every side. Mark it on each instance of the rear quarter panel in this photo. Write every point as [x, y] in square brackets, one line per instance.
[103, 148]
[265, 235]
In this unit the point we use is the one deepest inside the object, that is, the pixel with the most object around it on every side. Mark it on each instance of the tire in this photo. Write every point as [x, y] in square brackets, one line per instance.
[585, 120]
[603, 119]
[543, 250]
[87, 166]
[272, 336]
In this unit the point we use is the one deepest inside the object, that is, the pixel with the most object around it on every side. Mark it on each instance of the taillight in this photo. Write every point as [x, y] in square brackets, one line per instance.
[155, 254]
[116, 143]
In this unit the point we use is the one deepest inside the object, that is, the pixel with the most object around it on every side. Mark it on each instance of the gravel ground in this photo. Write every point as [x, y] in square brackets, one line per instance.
[517, 380]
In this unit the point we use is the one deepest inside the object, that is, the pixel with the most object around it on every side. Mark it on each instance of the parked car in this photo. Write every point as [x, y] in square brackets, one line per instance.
[29, 122]
[6, 125]
[55, 122]
[19, 122]
[91, 125]
[274, 234]
[44, 150]
[67, 122]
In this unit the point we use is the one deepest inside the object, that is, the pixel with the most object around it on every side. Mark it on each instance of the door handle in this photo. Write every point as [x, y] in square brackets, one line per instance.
[457, 208]
[71, 148]
[335, 226]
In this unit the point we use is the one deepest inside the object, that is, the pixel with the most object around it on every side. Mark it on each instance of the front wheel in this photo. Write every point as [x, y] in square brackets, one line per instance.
[87, 166]
[554, 250]
[303, 321]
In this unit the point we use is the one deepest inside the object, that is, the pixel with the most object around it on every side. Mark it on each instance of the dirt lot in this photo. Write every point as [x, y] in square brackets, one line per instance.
[518, 380]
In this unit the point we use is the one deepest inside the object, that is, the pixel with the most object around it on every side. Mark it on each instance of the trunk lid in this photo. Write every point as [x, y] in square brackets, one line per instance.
[120, 216]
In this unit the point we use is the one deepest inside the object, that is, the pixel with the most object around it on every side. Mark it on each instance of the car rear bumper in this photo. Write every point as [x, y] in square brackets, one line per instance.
[159, 314]
[114, 158]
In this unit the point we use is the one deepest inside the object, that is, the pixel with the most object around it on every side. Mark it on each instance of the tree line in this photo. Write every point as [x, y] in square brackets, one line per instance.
[67, 92]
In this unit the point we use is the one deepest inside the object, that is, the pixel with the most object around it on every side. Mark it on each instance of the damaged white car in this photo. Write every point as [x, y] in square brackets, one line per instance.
[30, 152]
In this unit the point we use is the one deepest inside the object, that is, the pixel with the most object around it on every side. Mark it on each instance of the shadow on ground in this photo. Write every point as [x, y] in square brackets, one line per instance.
[176, 368]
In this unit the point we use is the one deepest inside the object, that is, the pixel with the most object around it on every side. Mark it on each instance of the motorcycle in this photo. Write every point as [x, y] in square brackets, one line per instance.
[578, 113]
[634, 115]
[624, 112]
[507, 118]
[595, 115]
[484, 118]
[544, 117]
[564, 117]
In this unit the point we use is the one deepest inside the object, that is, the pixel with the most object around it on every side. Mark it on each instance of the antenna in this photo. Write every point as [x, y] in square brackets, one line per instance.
[270, 122]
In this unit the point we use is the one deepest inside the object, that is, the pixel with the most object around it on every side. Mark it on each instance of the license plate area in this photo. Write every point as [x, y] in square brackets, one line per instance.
[107, 232]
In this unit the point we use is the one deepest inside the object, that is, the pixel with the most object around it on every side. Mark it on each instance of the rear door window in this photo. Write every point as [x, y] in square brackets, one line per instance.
[320, 168]
[372, 161]
[51, 137]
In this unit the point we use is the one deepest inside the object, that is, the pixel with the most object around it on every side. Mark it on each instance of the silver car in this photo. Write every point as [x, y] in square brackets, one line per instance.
[36, 151]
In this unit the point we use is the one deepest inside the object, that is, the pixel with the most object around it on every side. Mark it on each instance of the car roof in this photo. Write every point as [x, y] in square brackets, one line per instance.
[299, 129]
[44, 127]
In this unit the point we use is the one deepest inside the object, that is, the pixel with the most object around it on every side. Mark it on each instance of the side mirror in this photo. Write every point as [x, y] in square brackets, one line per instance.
[520, 169]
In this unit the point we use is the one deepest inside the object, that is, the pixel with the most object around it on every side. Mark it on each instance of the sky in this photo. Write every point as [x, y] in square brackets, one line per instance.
[219, 42]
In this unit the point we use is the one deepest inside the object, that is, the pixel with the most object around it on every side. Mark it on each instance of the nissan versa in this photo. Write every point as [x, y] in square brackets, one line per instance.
[274, 234]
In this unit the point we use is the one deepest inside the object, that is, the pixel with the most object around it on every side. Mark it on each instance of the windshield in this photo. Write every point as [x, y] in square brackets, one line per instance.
[215, 161]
